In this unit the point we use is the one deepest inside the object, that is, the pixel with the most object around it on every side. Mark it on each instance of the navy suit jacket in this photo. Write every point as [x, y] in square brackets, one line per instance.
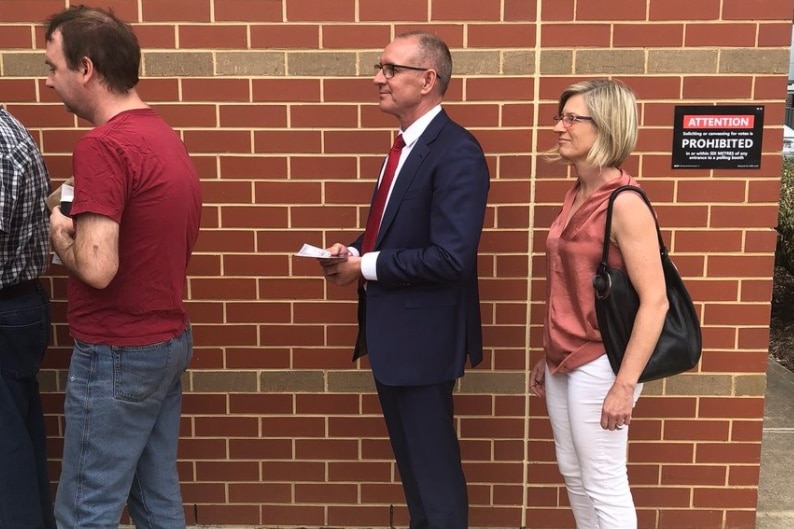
[421, 319]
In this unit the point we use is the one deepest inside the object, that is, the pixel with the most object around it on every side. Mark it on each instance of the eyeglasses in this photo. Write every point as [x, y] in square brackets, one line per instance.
[569, 120]
[390, 69]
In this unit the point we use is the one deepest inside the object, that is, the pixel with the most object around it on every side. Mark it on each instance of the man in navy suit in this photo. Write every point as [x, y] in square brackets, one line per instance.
[419, 312]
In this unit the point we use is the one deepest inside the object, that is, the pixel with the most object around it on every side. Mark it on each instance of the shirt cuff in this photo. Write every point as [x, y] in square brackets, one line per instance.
[369, 266]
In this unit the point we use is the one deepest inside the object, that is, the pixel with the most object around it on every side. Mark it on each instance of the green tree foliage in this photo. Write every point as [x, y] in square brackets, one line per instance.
[784, 255]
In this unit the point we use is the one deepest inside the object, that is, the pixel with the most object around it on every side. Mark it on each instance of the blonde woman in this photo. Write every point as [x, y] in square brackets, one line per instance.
[589, 405]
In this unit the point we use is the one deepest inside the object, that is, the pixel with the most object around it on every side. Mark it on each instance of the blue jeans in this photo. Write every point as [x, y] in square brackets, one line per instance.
[24, 482]
[122, 413]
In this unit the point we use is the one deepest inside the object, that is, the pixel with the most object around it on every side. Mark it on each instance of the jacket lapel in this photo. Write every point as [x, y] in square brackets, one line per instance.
[409, 171]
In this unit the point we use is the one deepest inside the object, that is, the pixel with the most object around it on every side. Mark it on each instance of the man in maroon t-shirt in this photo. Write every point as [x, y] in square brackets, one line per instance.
[134, 223]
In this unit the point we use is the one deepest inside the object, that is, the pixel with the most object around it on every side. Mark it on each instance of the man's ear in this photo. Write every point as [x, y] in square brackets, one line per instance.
[86, 67]
[430, 77]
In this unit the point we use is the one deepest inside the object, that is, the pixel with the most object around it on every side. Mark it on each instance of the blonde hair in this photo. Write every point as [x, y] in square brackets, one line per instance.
[613, 107]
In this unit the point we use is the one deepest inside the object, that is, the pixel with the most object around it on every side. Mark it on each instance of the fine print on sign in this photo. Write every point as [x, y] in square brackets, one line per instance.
[723, 137]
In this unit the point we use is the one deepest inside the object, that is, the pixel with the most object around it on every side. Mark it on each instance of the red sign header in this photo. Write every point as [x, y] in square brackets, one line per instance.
[719, 121]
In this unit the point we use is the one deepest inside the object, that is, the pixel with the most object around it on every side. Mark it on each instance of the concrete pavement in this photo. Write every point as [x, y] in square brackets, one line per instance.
[776, 483]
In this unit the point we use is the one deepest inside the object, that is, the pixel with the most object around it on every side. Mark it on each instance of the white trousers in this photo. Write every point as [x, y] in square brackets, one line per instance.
[592, 460]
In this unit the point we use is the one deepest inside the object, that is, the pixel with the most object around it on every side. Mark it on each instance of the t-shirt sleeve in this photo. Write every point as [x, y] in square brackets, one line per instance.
[100, 179]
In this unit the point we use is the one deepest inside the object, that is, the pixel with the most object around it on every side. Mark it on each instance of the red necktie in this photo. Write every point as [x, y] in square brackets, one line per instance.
[376, 212]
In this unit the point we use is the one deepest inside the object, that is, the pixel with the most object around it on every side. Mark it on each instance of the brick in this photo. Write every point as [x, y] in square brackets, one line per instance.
[721, 498]
[704, 87]
[225, 335]
[465, 10]
[27, 11]
[254, 492]
[158, 89]
[750, 431]
[356, 36]
[359, 382]
[356, 141]
[203, 493]
[176, 10]
[252, 167]
[216, 90]
[648, 35]
[296, 90]
[774, 34]
[257, 449]
[177, 64]
[285, 36]
[23, 64]
[737, 407]
[334, 64]
[682, 61]
[290, 334]
[705, 241]
[752, 61]
[210, 141]
[723, 35]
[188, 115]
[744, 476]
[41, 115]
[21, 90]
[13, 37]
[520, 10]
[451, 33]
[408, 10]
[255, 265]
[298, 141]
[687, 384]
[556, 62]
[225, 382]
[672, 10]
[294, 381]
[501, 35]
[575, 36]
[212, 36]
[327, 493]
[247, 10]
[488, 382]
[250, 63]
[687, 518]
[697, 475]
[755, 10]
[518, 62]
[284, 515]
[602, 62]
[323, 167]
[476, 62]
[320, 10]
[349, 90]
[226, 426]
[228, 514]
[253, 116]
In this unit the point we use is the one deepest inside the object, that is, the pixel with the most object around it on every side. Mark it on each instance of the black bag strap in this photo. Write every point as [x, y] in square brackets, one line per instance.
[608, 228]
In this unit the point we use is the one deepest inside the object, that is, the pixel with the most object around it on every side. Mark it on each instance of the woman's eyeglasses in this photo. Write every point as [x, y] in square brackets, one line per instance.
[569, 120]
[390, 69]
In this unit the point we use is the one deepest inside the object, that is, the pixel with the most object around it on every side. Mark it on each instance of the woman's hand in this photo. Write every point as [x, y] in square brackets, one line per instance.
[537, 379]
[617, 408]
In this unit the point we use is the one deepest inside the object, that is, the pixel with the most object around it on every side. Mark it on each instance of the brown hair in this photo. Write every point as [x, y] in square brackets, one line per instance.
[100, 36]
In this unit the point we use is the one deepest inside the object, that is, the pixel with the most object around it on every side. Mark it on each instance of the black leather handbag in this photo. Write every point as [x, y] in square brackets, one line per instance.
[616, 303]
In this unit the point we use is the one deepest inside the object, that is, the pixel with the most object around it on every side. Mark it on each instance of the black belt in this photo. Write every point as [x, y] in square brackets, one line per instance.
[20, 289]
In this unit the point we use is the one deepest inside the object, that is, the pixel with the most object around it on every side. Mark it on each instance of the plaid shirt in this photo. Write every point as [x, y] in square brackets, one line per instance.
[24, 219]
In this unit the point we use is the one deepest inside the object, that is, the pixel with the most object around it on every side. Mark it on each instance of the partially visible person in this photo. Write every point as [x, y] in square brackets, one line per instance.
[134, 221]
[416, 267]
[589, 406]
[24, 328]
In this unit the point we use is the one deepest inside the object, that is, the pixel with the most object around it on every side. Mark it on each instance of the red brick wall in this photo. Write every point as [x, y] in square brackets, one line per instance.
[274, 99]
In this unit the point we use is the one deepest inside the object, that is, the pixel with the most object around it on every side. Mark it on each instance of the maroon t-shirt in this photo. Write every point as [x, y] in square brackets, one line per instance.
[135, 170]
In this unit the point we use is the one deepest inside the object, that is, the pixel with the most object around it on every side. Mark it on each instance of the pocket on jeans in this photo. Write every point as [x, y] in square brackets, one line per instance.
[23, 340]
[138, 372]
